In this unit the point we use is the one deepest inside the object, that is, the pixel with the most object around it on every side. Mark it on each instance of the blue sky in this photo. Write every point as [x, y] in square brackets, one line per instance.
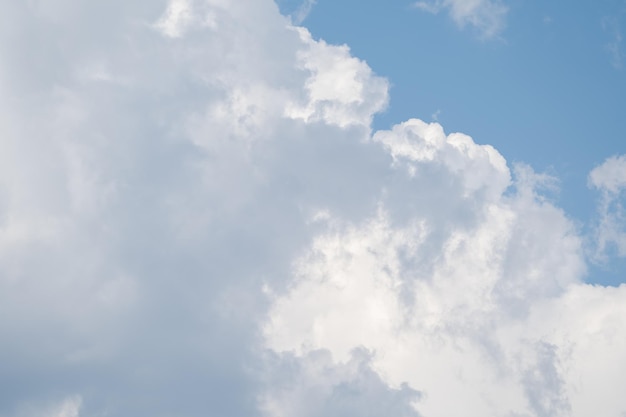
[210, 208]
[548, 89]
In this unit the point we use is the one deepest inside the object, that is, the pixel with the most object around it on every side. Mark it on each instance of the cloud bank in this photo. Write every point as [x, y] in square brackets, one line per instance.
[197, 219]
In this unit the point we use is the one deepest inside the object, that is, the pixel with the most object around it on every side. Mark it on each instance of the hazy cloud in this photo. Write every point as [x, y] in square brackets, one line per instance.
[612, 26]
[303, 11]
[488, 17]
[610, 179]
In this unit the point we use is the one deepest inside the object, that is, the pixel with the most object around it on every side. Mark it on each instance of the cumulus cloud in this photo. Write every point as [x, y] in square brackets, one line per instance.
[156, 172]
[443, 294]
[486, 16]
[610, 176]
[197, 218]
[315, 386]
[484, 304]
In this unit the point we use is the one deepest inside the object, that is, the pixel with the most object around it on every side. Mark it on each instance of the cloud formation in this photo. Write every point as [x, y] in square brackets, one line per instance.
[197, 219]
[446, 283]
[303, 11]
[612, 26]
[610, 179]
[314, 385]
[488, 17]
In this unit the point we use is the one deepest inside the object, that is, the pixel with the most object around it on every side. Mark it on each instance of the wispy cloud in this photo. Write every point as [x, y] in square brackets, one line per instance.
[613, 27]
[303, 11]
[488, 17]
[610, 179]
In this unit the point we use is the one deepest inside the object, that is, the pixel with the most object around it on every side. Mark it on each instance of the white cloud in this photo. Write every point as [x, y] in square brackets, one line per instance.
[175, 19]
[487, 307]
[612, 26]
[610, 176]
[341, 89]
[315, 386]
[68, 407]
[303, 11]
[610, 179]
[196, 218]
[487, 16]
[143, 207]
[182, 15]
[443, 295]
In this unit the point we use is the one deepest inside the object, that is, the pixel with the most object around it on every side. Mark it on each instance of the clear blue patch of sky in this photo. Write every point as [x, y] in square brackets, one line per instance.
[546, 92]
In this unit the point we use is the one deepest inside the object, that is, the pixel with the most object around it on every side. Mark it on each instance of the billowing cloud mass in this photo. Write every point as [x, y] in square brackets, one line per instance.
[486, 16]
[197, 219]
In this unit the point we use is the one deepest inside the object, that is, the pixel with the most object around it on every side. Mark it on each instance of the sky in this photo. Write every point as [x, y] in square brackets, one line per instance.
[543, 83]
[306, 209]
